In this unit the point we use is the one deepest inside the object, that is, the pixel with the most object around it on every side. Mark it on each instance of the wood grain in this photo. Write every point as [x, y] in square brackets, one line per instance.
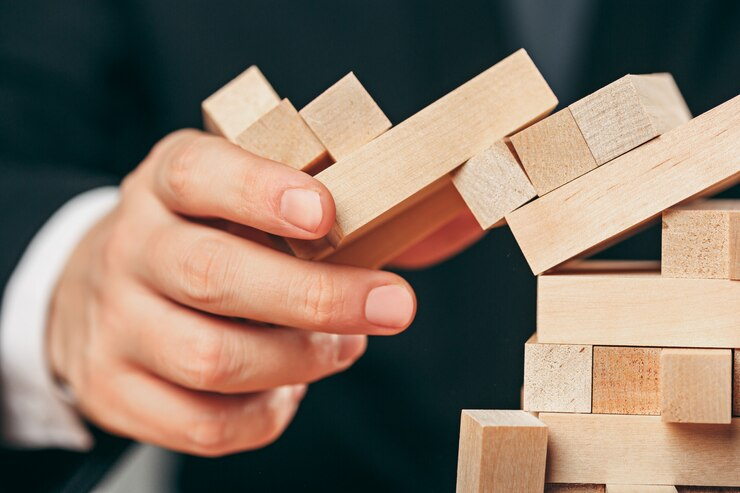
[574, 488]
[736, 384]
[626, 380]
[641, 488]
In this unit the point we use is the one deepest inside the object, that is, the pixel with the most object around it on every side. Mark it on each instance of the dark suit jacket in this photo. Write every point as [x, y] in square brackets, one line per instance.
[86, 87]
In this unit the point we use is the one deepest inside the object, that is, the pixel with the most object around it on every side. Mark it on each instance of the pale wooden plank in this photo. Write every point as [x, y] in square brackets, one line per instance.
[376, 178]
[345, 117]
[553, 152]
[501, 452]
[626, 380]
[620, 449]
[698, 239]
[574, 488]
[239, 104]
[735, 247]
[617, 307]
[557, 377]
[639, 488]
[696, 385]
[736, 384]
[620, 196]
[629, 112]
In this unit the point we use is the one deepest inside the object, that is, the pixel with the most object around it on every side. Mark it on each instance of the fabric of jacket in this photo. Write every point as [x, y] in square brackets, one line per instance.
[87, 87]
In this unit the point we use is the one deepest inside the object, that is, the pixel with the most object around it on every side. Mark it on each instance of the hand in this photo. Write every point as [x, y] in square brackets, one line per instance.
[158, 322]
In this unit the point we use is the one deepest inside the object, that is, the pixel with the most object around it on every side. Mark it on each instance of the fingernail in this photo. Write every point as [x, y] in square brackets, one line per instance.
[389, 306]
[350, 348]
[302, 208]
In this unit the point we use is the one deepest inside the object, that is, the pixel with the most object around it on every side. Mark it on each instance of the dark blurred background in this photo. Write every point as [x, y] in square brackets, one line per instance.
[86, 88]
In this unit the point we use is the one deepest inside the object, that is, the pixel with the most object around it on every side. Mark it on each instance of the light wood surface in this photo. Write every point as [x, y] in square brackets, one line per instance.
[698, 239]
[629, 112]
[345, 117]
[615, 449]
[736, 384]
[372, 181]
[620, 196]
[501, 452]
[553, 152]
[696, 385]
[735, 247]
[626, 380]
[557, 377]
[574, 488]
[238, 104]
[614, 307]
[640, 488]
[492, 183]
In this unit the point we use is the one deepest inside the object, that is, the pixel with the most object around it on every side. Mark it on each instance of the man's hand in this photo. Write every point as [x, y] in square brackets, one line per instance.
[159, 321]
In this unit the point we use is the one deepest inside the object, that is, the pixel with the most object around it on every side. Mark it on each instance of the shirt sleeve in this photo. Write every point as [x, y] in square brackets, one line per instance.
[37, 413]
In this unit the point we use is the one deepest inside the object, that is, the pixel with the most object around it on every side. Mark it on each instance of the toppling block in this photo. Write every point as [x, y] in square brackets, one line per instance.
[617, 198]
[628, 112]
[492, 183]
[283, 136]
[626, 380]
[696, 385]
[614, 449]
[641, 488]
[239, 104]
[369, 183]
[501, 452]
[557, 377]
[630, 304]
[700, 239]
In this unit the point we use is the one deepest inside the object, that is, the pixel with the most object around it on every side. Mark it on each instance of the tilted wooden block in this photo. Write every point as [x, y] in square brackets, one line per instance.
[617, 198]
[616, 449]
[699, 239]
[553, 152]
[630, 304]
[696, 385]
[370, 182]
[501, 452]
[736, 384]
[239, 104]
[641, 488]
[283, 136]
[574, 488]
[345, 117]
[557, 377]
[626, 380]
[493, 184]
[629, 112]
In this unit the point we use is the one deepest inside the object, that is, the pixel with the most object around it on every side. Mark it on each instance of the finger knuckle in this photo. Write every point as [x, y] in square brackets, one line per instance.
[272, 423]
[209, 436]
[207, 367]
[321, 350]
[321, 299]
[204, 271]
[180, 172]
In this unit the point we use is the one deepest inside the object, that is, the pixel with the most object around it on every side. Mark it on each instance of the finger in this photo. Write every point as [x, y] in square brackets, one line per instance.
[201, 175]
[224, 275]
[210, 353]
[447, 242]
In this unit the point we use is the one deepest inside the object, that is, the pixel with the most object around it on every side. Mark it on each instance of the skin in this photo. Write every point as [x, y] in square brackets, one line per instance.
[175, 324]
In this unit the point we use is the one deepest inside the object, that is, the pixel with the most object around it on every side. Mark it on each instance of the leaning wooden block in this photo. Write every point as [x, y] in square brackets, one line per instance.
[624, 194]
[630, 304]
[370, 182]
[626, 380]
[239, 104]
[696, 385]
[574, 488]
[629, 112]
[493, 184]
[736, 384]
[557, 377]
[617, 449]
[345, 117]
[640, 488]
[699, 239]
[501, 452]
[553, 152]
[283, 136]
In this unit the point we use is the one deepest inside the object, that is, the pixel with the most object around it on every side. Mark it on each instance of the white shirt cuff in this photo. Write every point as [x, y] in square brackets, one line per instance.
[36, 412]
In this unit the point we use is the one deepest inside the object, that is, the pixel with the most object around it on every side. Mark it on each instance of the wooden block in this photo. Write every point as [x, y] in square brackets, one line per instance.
[493, 184]
[553, 152]
[345, 117]
[696, 385]
[629, 112]
[372, 181]
[640, 488]
[698, 239]
[501, 452]
[619, 197]
[618, 449]
[626, 380]
[735, 247]
[239, 104]
[736, 384]
[557, 377]
[706, 489]
[283, 136]
[574, 488]
[604, 303]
